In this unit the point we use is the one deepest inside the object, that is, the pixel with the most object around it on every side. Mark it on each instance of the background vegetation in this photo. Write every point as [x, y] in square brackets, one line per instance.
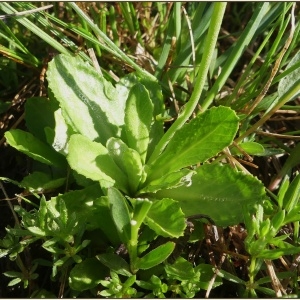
[253, 71]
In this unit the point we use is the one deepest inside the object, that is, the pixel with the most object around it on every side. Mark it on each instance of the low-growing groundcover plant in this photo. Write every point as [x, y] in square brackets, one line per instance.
[129, 192]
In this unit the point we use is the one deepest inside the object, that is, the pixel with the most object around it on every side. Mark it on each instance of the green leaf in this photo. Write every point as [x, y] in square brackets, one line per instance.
[180, 270]
[26, 143]
[89, 205]
[128, 160]
[92, 160]
[154, 90]
[12, 274]
[250, 148]
[292, 195]
[219, 192]
[173, 180]
[120, 213]
[286, 82]
[292, 161]
[59, 137]
[141, 209]
[90, 104]
[276, 253]
[14, 282]
[36, 231]
[202, 138]
[278, 220]
[166, 218]
[156, 256]
[39, 181]
[293, 215]
[115, 263]
[157, 126]
[138, 117]
[87, 275]
[39, 113]
[230, 277]
[206, 273]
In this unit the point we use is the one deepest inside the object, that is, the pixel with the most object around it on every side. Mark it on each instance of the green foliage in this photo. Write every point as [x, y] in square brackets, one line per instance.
[105, 146]
[127, 184]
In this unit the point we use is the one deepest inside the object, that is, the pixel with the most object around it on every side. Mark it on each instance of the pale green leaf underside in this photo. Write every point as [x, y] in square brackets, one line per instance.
[219, 192]
[166, 218]
[202, 138]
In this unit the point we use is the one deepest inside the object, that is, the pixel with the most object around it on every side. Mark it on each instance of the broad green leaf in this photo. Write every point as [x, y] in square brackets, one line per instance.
[38, 182]
[157, 126]
[154, 90]
[286, 83]
[202, 138]
[206, 274]
[90, 104]
[120, 213]
[219, 192]
[173, 180]
[128, 160]
[166, 218]
[26, 143]
[39, 113]
[115, 263]
[156, 256]
[138, 117]
[87, 274]
[180, 270]
[92, 160]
